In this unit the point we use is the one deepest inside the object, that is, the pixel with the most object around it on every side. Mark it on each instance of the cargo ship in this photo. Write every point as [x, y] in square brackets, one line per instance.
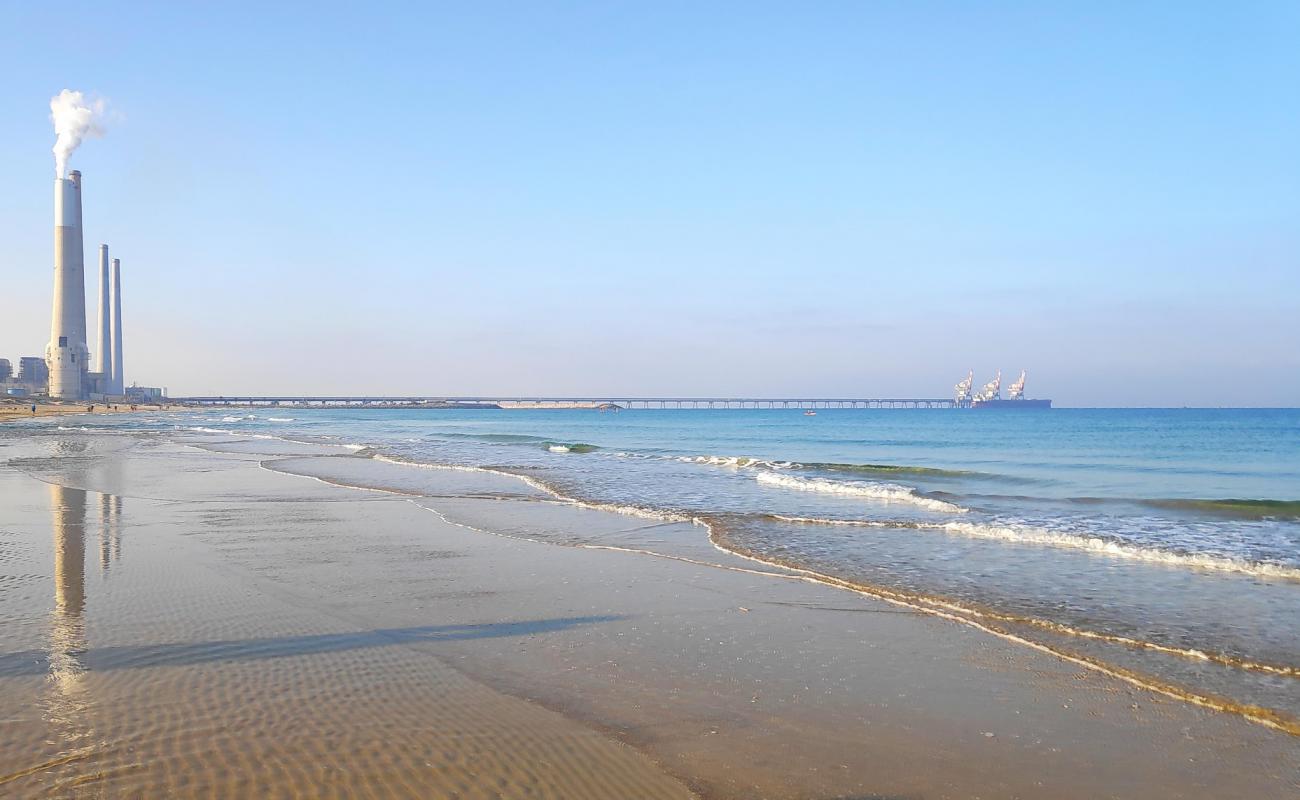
[991, 395]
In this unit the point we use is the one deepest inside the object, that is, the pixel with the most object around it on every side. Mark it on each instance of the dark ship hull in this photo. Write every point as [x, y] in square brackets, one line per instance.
[1016, 404]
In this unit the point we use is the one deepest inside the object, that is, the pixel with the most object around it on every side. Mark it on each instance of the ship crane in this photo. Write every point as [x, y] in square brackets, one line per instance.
[1016, 391]
[992, 390]
[990, 395]
[962, 390]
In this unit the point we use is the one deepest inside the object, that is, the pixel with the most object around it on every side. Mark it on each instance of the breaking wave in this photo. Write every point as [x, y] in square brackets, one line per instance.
[569, 447]
[878, 492]
[897, 469]
[201, 429]
[738, 461]
[1024, 534]
[818, 466]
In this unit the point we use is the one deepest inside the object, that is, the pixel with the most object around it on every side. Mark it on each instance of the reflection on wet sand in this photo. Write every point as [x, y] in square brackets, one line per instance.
[110, 530]
[67, 630]
[65, 700]
[190, 685]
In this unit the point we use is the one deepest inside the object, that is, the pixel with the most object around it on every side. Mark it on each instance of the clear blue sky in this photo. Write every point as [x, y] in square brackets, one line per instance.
[675, 198]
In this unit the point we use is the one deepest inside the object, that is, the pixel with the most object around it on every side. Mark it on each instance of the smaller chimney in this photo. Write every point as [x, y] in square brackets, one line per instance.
[104, 343]
[118, 383]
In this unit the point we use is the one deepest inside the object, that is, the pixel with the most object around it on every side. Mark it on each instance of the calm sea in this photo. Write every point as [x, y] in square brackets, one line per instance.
[1163, 545]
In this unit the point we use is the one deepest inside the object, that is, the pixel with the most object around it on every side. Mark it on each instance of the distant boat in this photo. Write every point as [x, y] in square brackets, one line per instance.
[810, 413]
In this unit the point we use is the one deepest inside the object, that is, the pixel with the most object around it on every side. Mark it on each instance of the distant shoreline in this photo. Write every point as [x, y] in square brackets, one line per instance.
[14, 411]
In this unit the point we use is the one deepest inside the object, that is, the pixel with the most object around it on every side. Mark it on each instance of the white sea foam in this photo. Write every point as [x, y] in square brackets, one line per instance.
[737, 462]
[1110, 547]
[238, 419]
[624, 509]
[871, 490]
[426, 465]
[279, 419]
[1026, 534]
[558, 448]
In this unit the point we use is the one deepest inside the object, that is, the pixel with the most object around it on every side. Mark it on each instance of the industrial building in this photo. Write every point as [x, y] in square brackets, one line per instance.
[31, 378]
[33, 371]
[64, 373]
[67, 356]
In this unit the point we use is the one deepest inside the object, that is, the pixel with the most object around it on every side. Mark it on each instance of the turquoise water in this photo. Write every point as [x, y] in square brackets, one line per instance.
[1103, 534]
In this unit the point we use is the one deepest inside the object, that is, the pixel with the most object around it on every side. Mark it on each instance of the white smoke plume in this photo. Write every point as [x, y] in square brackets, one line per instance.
[74, 119]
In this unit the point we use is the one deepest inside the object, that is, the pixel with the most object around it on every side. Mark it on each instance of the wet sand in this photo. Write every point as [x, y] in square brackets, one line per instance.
[177, 621]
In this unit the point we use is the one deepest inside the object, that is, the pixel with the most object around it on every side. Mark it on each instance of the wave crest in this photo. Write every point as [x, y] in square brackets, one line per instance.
[1024, 534]
[879, 492]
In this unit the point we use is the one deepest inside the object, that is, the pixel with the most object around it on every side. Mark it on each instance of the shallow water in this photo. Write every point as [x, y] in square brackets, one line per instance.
[1098, 533]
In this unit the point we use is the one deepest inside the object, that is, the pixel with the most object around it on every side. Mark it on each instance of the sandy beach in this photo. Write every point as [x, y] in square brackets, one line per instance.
[11, 410]
[210, 616]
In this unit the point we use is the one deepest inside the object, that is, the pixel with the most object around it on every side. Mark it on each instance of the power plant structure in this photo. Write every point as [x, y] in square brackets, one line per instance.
[67, 356]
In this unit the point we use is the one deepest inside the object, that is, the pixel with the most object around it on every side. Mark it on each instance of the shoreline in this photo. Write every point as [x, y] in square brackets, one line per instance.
[985, 620]
[730, 682]
[1056, 639]
[16, 411]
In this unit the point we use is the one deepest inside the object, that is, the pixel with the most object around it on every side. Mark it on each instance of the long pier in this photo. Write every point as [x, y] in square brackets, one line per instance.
[590, 401]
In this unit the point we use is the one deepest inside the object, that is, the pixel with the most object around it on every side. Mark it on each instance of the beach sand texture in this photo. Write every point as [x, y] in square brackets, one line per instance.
[11, 409]
[191, 620]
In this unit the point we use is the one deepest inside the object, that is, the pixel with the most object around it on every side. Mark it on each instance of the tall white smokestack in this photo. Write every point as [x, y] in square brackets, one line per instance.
[117, 383]
[67, 354]
[104, 342]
